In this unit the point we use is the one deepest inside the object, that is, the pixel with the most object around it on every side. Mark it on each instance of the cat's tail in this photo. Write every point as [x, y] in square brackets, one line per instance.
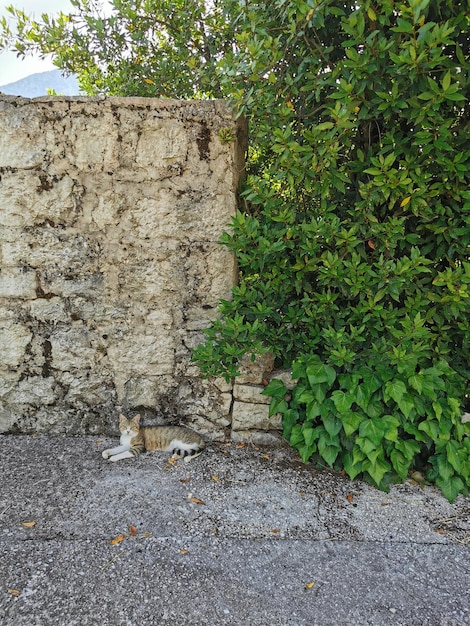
[187, 451]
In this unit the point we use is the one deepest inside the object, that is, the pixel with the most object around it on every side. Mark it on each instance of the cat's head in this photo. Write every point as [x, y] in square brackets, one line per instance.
[128, 425]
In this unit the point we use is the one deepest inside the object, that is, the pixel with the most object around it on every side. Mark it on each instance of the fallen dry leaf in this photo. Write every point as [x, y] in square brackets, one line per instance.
[98, 443]
[133, 530]
[240, 445]
[118, 539]
[274, 531]
[28, 524]
[441, 531]
[173, 460]
[215, 479]
[385, 504]
[14, 592]
[349, 497]
[144, 535]
[309, 585]
[183, 551]
[266, 456]
[196, 500]
[185, 480]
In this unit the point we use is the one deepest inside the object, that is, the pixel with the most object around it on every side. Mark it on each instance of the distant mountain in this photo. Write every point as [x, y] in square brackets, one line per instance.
[38, 84]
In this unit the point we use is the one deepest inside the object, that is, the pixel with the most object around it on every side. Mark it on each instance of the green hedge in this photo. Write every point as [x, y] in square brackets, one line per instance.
[353, 244]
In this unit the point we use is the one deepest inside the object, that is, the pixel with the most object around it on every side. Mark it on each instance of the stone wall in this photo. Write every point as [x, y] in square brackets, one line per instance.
[111, 211]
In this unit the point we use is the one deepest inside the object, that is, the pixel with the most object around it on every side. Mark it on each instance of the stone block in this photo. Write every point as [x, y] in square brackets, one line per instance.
[225, 403]
[14, 338]
[35, 390]
[250, 393]
[222, 384]
[254, 372]
[246, 416]
[16, 283]
[49, 310]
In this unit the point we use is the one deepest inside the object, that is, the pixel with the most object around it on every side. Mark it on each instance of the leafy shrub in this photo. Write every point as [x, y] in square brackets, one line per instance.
[377, 421]
[354, 245]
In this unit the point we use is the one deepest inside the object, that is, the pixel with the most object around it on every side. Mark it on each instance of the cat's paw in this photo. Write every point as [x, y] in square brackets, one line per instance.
[105, 454]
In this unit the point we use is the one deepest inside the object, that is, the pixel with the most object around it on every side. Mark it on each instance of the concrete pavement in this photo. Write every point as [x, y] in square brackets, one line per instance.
[239, 536]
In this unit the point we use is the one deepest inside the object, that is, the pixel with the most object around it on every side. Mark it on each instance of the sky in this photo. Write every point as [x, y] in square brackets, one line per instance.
[12, 68]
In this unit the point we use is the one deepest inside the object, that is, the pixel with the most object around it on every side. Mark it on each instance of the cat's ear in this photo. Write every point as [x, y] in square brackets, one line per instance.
[122, 418]
[137, 418]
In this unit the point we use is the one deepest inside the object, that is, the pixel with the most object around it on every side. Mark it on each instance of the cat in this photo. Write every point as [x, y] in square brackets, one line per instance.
[178, 440]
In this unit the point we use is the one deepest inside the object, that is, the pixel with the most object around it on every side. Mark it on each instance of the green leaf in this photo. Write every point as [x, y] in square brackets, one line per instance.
[289, 419]
[275, 389]
[408, 447]
[431, 428]
[342, 400]
[332, 425]
[351, 422]
[446, 471]
[367, 447]
[451, 487]
[394, 389]
[320, 373]
[361, 397]
[452, 450]
[373, 429]
[319, 391]
[327, 449]
[446, 81]
[310, 435]
[324, 126]
[296, 436]
[305, 452]
[277, 406]
[313, 410]
[416, 382]
[400, 463]
[352, 462]
[390, 424]
[406, 405]
[377, 469]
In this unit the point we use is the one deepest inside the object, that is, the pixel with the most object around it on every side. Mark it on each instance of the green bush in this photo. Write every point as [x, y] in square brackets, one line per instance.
[377, 421]
[353, 247]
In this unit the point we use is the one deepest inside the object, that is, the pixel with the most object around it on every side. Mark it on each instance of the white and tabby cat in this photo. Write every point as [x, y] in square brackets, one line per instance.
[178, 440]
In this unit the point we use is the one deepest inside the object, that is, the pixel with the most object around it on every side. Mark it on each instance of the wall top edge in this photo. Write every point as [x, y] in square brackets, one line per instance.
[220, 107]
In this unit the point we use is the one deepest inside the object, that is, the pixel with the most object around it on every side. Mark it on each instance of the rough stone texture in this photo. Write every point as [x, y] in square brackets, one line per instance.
[250, 393]
[247, 415]
[111, 210]
[253, 372]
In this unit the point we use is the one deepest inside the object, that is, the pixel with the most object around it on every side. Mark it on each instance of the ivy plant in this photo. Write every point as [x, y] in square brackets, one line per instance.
[377, 421]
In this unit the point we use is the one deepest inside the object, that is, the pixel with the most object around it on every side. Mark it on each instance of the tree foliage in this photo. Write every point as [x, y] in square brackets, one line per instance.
[131, 47]
[354, 235]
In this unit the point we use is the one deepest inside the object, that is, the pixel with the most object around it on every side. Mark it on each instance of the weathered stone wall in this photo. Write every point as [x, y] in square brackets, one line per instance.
[111, 211]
